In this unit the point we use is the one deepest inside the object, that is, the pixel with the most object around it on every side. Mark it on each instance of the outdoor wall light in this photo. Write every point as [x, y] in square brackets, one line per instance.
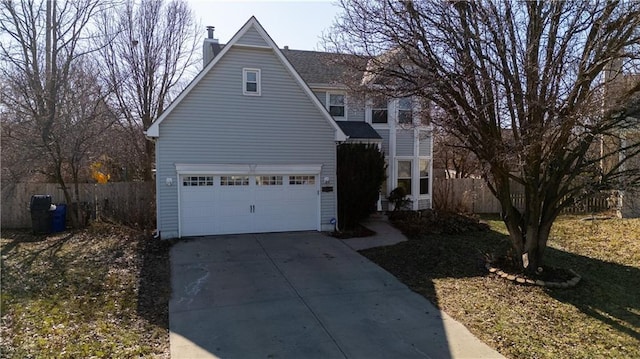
[169, 181]
[326, 180]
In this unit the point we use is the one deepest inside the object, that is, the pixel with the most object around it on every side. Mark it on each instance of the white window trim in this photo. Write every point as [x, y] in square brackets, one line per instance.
[429, 176]
[328, 104]
[415, 195]
[258, 82]
[368, 114]
[397, 110]
[412, 196]
[416, 151]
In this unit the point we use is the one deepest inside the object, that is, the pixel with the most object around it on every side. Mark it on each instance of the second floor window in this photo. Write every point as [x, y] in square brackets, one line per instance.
[251, 82]
[379, 111]
[405, 110]
[336, 105]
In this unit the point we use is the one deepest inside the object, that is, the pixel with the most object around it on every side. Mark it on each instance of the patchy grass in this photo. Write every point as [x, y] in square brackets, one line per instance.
[101, 292]
[599, 318]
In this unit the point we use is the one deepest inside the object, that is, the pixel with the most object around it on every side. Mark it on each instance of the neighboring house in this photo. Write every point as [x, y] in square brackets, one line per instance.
[628, 204]
[250, 145]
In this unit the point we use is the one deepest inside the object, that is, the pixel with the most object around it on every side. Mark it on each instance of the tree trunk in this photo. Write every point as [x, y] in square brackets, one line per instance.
[149, 156]
[529, 230]
[73, 212]
[529, 241]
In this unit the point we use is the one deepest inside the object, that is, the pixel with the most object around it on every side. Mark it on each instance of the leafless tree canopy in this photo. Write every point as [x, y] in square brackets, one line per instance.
[80, 82]
[149, 46]
[54, 110]
[532, 88]
[452, 157]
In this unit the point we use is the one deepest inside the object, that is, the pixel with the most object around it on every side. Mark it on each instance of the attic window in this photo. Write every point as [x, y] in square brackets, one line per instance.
[251, 82]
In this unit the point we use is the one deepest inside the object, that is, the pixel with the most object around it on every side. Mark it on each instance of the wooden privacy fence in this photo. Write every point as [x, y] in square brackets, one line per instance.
[473, 195]
[131, 203]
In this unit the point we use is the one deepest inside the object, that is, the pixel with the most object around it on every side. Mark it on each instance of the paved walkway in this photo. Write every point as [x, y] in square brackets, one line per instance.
[301, 295]
[386, 234]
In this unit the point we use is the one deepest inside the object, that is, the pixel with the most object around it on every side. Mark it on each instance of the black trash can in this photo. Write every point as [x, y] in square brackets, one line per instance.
[41, 213]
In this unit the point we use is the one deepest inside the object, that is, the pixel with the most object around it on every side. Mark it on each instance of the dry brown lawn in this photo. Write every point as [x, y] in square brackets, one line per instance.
[599, 318]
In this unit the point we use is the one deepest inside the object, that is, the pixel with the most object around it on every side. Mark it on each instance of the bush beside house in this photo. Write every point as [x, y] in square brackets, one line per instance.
[361, 172]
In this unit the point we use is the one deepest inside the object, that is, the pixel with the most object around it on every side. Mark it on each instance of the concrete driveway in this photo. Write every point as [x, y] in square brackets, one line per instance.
[300, 295]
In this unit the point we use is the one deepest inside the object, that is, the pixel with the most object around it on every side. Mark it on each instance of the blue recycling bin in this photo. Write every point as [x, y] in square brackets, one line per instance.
[59, 218]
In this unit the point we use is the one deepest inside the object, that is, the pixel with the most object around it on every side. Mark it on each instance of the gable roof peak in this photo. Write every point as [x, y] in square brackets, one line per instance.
[154, 130]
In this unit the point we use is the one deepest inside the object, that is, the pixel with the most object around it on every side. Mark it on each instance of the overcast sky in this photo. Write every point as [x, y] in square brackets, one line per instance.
[298, 24]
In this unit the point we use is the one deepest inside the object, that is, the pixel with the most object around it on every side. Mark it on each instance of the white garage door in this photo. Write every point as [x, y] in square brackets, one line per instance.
[224, 204]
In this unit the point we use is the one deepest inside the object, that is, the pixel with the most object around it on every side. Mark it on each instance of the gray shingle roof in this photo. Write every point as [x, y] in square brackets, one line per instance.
[320, 67]
[317, 67]
[358, 130]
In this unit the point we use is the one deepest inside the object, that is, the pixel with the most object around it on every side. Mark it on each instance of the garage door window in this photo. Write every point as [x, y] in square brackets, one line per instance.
[302, 180]
[197, 181]
[234, 180]
[268, 180]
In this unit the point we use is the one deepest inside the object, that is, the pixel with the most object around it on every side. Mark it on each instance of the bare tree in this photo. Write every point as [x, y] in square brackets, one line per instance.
[149, 47]
[452, 156]
[522, 84]
[53, 107]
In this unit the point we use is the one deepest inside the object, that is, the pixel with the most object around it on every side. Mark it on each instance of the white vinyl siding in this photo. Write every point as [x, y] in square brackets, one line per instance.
[404, 143]
[355, 108]
[424, 203]
[252, 38]
[322, 97]
[385, 140]
[425, 143]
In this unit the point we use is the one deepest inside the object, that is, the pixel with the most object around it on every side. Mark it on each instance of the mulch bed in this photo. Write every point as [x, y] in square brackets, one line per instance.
[545, 276]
